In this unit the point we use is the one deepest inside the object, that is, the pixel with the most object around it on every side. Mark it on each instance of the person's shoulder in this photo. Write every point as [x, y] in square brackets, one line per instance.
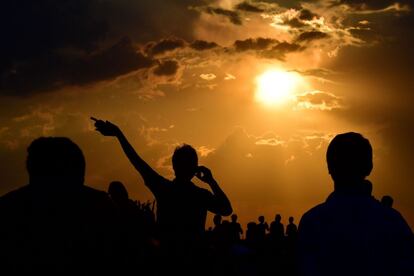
[315, 211]
[15, 195]
[95, 195]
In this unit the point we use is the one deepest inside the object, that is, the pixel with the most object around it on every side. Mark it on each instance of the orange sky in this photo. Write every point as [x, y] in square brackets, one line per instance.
[190, 72]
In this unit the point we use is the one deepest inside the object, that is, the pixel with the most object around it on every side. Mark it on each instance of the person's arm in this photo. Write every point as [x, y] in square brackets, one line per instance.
[147, 173]
[218, 203]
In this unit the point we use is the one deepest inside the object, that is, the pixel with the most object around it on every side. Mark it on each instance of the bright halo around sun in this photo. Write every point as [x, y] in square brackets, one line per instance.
[276, 87]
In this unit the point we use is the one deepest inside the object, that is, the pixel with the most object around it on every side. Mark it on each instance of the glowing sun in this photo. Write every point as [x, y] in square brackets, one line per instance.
[276, 87]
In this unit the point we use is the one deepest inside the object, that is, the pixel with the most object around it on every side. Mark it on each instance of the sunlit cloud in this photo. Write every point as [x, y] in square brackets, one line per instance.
[318, 100]
[208, 76]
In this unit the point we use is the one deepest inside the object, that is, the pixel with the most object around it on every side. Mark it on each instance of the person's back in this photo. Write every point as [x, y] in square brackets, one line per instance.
[291, 229]
[277, 229]
[56, 225]
[352, 233]
[235, 229]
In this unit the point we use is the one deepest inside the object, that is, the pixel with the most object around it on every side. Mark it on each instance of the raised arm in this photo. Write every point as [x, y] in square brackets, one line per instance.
[219, 203]
[109, 129]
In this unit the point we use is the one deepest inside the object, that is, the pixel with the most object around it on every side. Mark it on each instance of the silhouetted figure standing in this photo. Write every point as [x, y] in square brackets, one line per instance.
[277, 230]
[138, 228]
[351, 233]
[291, 230]
[235, 229]
[262, 228]
[56, 225]
[178, 198]
[387, 201]
[251, 234]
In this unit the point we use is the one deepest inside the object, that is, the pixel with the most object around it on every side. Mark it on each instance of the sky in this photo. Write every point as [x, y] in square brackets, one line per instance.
[259, 88]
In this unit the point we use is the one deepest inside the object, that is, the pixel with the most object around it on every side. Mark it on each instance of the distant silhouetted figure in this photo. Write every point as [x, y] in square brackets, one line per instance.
[251, 234]
[138, 227]
[178, 198]
[56, 225]
[291, 230]
[262, 228]
[352, 233]
[235, 229]
[387, 201]
[277, 230]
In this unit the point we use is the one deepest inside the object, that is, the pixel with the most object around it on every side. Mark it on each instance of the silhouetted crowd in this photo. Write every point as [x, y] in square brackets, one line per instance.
[56, 225]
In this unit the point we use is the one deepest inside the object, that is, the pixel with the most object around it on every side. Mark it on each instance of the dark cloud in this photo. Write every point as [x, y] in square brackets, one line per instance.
[310, 36]
[166, 68]
[57, 69]
[369, 4]
[294, 23]
[280, 50]
[43, 41]
[291, 4]
[233, 16]
[307, 15]
[254, 44]
[249, 7]
[201, 45]
[165, 45]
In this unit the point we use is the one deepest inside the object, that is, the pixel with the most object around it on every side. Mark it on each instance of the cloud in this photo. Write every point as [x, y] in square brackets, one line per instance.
[254, 44]
[249, 7]
[58, 69]
[165, 45]
[280, 50]
[43, 41]
[306, 14]
[310, 36]
[318, 100]
[229, 77]
[233, 16]
[208, 76]
[201, 45]
[375, 6]
[166, 68]
[204, 151]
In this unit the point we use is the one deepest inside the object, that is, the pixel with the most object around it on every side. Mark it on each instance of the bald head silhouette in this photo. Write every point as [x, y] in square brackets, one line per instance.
[55, 161]
[349, 158]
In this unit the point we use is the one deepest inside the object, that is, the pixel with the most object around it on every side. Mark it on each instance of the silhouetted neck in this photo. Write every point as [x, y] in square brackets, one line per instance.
[353, 187]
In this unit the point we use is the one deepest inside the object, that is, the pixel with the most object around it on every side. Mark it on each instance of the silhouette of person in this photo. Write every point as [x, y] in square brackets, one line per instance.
[277, 229]
[235, 229]
[387, 201]
[177, 198]
[251, 234]
[56, 225]
[351, 233]
[291, 229]
[262, 227]
[138, 227]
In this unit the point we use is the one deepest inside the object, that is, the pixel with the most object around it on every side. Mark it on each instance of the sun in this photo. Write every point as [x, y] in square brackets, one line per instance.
[276, 87]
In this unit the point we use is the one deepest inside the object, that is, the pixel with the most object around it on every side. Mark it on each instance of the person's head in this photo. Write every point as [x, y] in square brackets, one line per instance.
[117, 191]
[278, 218]
[349, 158]
[185, 162]
[387, 201]
[291, 219]
[234, 218]
[217, 220]
[55, 162]
[261, 219]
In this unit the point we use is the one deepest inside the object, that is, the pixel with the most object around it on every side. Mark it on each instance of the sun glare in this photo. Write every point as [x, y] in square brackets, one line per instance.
[276, 87]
